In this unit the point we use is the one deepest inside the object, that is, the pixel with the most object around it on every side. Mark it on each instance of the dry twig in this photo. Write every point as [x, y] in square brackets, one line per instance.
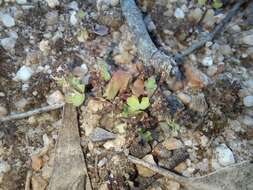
[28, 180]
[31, 113]
[234, 177]
[149, 52]
[210, 36]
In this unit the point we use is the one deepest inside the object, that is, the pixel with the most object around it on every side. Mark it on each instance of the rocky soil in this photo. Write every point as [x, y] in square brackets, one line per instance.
[193, 129]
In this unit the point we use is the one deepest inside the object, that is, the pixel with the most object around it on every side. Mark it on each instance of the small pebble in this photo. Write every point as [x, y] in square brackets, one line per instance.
[3, 111]
[145, 172]
[53, 3]
[203, 141]
[207, 61]
[7, 20]
[179, 13]
[20, 104]
[226, 50]
[172, 144]
[25, 87]
[38, 183]
[224, 155]
[185, 98]
[21, 2]
[4, 167]
[198, 103]
[55, 98]
[36, 162]
[212, 70]
[24, 74]
[73, 19]
[102, 162]
[80, 71]
[99, 134]
[52, 18]
[195, 15]
[8, 43]
[44, 46]
[195, 77]
[248, 120]
[209, 19]
[172, 185]
[73, 5]
[247, 39]
[101, 30]
[248, 101]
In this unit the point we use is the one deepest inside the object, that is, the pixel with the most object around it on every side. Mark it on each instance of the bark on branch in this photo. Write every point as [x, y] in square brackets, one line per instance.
[146, 48]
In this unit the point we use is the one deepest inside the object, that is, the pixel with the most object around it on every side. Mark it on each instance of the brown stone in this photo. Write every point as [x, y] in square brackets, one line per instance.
[36, 162]
[38, 183]
[195, 77]
[172, 144]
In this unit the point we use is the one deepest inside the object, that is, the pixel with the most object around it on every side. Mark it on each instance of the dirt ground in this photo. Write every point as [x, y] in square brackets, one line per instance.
[192, 130]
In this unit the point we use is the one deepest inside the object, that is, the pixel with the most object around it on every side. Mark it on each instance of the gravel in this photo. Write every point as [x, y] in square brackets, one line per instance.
[248, 101]
[7, 20]
[99, 134]
[24, 74]
[224, 155]
[179, 13]
[207, 61]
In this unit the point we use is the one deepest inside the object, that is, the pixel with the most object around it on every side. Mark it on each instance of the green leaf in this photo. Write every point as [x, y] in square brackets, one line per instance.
[145, 135]
[81, 14]
[144, 103]
[76, 84]
[83, 35]
[202, 2]
[104, 70]
[75, 98]
[217, 4]
[150, 84]
[133, 103]
[60, 81]
[134, 107]
[73, 90]
[121, 128]
[172, 125]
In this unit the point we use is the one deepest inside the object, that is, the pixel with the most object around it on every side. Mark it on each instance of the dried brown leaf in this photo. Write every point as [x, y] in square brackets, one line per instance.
[138, 87]
[118, 83]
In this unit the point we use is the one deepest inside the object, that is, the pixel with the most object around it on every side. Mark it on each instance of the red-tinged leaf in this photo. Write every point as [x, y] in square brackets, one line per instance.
[138, 87]
[118, 83]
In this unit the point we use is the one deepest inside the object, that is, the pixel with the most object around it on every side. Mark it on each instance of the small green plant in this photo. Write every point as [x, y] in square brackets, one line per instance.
[216, 4]
[104, 70]
[173, 125]
[73, 90]
[202, 2]
[145, 135]
[82, 35]
[81, 14]
[150, 85]
[134, 106]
